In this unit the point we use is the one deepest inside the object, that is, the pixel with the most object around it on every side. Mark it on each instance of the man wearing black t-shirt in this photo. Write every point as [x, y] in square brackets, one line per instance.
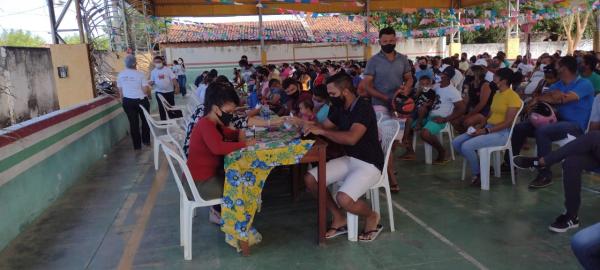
[351, 123]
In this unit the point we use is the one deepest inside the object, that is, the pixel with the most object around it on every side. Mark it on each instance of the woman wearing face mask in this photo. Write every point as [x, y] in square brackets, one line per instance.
[505, 104]
[478, 95]
[212, 139]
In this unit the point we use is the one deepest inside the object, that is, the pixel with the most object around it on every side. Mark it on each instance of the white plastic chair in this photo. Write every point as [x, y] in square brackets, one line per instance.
[390, 129]
[155, 126]
[173, 108]
[429, 149]
[187, 206]
[176, 135]
[379, 116]
[485, 158]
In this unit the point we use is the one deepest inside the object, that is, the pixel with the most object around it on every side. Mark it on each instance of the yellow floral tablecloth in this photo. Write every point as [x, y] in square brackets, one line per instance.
[245, 173]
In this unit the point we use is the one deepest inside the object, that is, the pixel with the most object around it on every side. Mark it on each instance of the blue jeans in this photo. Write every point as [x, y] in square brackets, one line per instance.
[182, 80]
[466, 145]
[586, 246]
[544, 136]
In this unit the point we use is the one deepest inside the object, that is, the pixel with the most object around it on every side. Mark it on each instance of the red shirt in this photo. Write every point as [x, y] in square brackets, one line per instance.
[320, 79]
[207, 148]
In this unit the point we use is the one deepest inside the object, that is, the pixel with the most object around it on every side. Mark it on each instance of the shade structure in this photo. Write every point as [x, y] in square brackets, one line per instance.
[208, 8]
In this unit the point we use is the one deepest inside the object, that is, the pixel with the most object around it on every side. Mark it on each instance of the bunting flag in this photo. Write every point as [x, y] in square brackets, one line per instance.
[543, 11]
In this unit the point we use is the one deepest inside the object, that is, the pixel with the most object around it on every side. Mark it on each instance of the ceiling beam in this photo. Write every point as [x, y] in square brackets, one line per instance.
[194, 8]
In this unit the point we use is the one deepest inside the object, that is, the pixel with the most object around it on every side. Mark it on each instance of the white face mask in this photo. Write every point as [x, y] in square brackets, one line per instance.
[426, 88]
[158, 65]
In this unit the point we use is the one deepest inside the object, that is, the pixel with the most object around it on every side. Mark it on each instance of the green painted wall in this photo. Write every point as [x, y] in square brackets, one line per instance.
[28, 194]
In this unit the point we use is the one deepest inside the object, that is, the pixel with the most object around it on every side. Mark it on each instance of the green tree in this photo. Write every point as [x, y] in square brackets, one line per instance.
[100, 43]
[20, 38]
[72, 39]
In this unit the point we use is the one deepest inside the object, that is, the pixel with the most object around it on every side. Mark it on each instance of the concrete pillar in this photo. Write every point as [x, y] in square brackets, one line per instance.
[367, 52]
[512, 48]
[455, 48]
[263, 56]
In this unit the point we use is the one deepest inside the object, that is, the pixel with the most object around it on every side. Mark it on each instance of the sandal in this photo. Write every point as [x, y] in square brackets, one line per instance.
[370, 235]
[394, 188]
[338, 231]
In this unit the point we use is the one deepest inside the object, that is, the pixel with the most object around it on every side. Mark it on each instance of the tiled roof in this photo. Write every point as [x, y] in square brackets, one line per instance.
[288, 30]
[336, 29]
[330, 29]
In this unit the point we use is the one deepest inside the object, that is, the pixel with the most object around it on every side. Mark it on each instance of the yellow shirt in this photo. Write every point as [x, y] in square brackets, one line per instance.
[500, 104]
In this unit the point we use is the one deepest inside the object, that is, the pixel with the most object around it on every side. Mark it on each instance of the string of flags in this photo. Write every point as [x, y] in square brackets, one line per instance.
[490, 20]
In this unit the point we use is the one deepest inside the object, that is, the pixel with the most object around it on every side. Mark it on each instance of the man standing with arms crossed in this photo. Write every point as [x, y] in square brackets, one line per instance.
[386, 73]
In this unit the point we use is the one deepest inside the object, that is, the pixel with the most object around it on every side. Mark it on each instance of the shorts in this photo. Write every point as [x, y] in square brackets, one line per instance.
[356, 176]
[433, 127]
[208, 189]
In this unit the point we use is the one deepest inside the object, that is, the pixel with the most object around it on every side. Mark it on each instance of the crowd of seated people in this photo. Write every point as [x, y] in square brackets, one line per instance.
[478, 96]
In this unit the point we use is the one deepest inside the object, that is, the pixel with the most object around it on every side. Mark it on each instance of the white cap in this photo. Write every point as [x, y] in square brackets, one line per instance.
[481, 62]
[443, 67]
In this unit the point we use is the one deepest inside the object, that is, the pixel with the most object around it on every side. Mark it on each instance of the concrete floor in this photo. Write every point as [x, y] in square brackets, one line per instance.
[124, 214]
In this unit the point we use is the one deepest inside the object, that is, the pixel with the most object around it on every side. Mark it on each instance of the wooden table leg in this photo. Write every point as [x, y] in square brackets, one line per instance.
[322, 193]
[245, 248]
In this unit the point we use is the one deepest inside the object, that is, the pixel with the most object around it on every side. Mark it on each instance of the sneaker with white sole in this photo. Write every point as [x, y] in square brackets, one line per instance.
[526, 163]
[563, 223]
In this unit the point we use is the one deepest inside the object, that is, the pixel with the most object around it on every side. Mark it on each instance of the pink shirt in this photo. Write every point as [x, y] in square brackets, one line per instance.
[285, 73]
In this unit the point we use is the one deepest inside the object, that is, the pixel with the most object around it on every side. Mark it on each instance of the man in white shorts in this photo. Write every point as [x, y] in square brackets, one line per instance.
[351, 123]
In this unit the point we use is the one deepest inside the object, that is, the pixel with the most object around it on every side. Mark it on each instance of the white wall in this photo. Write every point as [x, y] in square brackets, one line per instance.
[225, 58]
[537, 48]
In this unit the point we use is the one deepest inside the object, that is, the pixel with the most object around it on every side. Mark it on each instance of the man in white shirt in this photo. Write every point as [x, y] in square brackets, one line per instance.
[133, 88]
[525, 67]
[447, 107]
[164, 82]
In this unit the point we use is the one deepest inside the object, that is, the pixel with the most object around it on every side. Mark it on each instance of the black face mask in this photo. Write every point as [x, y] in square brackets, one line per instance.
[353, 73]
[225, 118]
[423, 67]
[337, 102]
[388, 48]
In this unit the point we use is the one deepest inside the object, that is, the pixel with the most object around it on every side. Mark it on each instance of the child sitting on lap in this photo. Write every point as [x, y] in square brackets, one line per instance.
[424, 98]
